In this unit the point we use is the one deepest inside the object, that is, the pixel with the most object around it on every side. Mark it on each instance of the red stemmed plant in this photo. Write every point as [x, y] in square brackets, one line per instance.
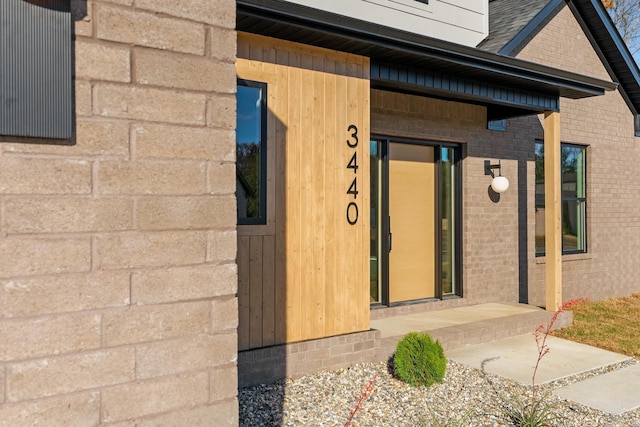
[542, 333]
[364, 396]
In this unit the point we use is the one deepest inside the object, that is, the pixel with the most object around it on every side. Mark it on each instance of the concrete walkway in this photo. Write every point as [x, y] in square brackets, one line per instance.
[515, 357]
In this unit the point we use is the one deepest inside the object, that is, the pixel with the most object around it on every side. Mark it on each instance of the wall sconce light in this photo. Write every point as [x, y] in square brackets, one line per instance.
[499, 183]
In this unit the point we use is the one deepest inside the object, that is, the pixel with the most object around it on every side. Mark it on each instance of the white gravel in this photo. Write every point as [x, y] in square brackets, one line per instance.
[467, 397]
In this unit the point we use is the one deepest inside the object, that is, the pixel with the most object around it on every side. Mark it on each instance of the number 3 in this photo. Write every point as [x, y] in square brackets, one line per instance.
[354, 135]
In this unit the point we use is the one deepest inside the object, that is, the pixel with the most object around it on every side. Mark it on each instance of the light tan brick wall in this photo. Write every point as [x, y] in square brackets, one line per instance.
[605, 125]
[117, 251]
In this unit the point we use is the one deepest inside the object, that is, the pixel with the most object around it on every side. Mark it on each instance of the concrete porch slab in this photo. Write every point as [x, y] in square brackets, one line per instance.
[515, 358]
[399, 326]
[614, 392]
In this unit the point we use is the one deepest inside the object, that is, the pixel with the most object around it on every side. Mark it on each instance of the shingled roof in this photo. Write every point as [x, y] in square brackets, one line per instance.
[513, 23]
[513, 20]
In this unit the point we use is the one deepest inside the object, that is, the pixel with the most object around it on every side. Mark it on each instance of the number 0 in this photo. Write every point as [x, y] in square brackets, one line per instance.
[352, 213]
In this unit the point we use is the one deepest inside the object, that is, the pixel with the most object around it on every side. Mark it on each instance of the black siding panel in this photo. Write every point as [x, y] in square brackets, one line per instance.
[513, 101]
[35, 69]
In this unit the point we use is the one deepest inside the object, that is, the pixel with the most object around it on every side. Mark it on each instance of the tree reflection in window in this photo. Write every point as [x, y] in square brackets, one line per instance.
[574, 198]
[251, 152]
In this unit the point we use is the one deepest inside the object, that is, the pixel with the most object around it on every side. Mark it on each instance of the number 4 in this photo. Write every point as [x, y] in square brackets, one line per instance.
[353, 163]
[353, 188]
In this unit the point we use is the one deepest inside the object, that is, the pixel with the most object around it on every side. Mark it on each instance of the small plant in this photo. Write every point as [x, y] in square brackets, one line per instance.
[542, 333]
[536, 411]
[364, 396]
[419, 360]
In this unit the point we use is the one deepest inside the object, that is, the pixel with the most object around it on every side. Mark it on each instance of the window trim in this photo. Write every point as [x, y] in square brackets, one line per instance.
[261, 219]
[563, 199]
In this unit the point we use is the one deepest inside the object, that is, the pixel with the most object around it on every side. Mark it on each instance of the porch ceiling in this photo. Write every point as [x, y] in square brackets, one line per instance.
[508, 86]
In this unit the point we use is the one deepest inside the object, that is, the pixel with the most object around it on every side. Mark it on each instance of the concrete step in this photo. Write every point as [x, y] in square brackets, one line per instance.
[458, 327]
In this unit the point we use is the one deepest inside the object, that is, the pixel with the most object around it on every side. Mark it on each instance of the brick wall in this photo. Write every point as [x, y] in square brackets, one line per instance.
[605, 125]
[499, 262]
[117, 253]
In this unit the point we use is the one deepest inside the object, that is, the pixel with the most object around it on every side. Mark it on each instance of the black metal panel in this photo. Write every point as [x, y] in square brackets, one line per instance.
[35, 69]
[513, 101]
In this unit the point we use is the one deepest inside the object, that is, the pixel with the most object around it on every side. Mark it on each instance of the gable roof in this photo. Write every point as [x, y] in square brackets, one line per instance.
[512, 24]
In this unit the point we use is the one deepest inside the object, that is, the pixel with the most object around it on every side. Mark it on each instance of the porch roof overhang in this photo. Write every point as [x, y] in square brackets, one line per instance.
[408, 62]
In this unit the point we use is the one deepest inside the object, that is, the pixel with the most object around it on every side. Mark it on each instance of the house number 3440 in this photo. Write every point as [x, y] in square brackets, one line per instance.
[352, 191]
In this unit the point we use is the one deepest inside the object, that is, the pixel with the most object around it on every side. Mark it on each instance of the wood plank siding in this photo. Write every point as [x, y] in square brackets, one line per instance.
[305, 274]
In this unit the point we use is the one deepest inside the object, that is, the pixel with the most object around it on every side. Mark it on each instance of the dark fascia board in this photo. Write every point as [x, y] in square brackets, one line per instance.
[530, 28]
[367, 38]
[612, 50]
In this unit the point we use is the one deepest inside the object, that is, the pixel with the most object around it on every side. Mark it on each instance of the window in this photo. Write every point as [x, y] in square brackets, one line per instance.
[251, 152]
[574, 199]
[497, 125]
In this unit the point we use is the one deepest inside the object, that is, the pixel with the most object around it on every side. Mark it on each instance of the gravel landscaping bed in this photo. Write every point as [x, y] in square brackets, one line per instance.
[467, 397]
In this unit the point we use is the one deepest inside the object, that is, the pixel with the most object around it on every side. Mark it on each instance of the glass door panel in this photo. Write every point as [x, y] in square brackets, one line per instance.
[375, 283]
[448, 220]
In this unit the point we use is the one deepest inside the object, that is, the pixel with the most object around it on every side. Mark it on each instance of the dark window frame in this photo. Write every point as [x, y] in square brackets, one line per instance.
[261, 219]
[582, 200]
[457, 240]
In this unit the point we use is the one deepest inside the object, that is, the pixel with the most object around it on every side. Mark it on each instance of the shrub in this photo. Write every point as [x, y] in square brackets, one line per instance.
[419, 360]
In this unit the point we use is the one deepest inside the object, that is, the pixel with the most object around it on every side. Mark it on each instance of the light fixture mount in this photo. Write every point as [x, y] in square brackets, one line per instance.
[499, 183]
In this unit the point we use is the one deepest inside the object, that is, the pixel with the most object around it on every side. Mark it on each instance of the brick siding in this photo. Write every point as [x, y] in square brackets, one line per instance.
[605, 125]
[117, 250]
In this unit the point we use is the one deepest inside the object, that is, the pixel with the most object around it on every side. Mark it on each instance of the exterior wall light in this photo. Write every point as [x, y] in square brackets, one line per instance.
[499, 183]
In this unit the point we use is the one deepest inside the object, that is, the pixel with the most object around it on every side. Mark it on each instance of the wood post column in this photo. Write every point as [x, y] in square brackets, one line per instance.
[552, 210]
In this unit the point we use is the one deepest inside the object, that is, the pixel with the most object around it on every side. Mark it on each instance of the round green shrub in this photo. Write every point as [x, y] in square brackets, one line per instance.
[419, 360]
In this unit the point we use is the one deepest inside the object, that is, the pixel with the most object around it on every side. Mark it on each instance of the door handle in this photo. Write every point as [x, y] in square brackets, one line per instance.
[390, 234]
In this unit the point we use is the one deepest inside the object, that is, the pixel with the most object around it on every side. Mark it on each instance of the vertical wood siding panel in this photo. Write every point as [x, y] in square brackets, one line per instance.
[318, 192]
[320, 263]
[243, 292]
[292, 226]
[332, 209]
[361, 296]
[341, 155]
[256, 290]
[304, 188]
[353, 248]
[282, 106]
[268, 290]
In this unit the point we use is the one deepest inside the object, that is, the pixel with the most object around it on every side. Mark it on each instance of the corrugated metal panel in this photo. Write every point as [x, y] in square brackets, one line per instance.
[390, 76]
[35, 69]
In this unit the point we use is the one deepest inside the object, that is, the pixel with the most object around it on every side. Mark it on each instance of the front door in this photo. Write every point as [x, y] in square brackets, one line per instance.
[414, 221]
[412, 207]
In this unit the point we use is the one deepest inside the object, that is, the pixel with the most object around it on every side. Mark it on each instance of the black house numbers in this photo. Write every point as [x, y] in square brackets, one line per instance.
[352, 207]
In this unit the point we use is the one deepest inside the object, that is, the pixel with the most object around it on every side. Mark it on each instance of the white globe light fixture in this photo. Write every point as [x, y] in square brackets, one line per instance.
[499, 183]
